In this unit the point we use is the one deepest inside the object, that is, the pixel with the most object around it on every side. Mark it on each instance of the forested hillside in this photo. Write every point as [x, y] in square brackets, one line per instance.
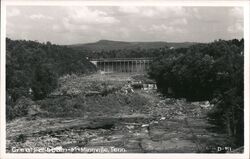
[211, 72]
[32, 68]
[121, 49]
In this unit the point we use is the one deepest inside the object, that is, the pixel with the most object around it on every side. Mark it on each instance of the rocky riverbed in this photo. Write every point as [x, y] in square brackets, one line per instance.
[164, 125]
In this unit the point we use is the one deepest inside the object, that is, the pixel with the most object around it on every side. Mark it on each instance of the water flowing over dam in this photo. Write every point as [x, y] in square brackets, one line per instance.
[125, 65]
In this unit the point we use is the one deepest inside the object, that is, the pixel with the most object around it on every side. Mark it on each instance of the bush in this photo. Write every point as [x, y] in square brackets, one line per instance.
[19, 109]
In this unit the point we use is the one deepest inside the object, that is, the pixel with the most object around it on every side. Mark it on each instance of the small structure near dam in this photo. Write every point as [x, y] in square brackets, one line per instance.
[122, 65]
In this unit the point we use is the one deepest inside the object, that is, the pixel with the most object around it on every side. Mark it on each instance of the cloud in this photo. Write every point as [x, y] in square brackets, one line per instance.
[236, 28]
[237, 12]
[13, 12]
[125, 33]
[166, 29]
[67, 25]
[176, 11]
[149, 13]
[86, 21]
[158, 11]
[39, 17]
[181, 21]
[85, 15]
[129, 9]
[58, 28]
[237, 15]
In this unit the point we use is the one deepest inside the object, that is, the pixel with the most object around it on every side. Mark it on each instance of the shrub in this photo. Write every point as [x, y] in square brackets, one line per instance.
[20, 108]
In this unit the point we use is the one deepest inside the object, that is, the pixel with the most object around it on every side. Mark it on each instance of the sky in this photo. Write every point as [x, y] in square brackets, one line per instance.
[84, 24]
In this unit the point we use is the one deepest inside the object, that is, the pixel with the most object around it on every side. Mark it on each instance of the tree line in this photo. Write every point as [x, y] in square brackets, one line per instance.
[128, 53]
[32, 68]
[214, 72]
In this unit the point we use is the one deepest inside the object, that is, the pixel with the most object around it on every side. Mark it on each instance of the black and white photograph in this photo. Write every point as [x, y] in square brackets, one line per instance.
[127, 79]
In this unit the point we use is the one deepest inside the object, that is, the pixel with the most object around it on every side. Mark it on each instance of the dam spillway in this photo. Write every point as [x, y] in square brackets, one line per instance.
[122, 65]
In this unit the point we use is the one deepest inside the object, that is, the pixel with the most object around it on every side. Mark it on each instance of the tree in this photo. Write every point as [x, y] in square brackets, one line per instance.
[43, 81]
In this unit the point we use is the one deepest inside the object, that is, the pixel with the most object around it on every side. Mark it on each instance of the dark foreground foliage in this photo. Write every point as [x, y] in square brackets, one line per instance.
[32, 69]
[211, 72]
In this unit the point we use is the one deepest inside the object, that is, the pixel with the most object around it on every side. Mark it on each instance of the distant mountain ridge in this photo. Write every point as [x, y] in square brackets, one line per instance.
[108, 45]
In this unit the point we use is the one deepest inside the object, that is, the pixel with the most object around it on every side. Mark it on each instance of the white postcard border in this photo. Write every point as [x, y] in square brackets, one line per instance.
[242, 3]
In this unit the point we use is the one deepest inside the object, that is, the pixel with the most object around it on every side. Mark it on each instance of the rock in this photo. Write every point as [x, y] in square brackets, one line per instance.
[163, 118]
[197, 104]
[130, 127]
[133, 146]
[205, 105]
[170, 146]
[154, 122]
[34, 110]
[181, 101]
[145, 125]
[156, 134]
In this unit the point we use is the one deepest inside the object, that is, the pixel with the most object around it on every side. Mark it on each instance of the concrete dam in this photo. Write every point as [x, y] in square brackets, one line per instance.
[122, 65]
